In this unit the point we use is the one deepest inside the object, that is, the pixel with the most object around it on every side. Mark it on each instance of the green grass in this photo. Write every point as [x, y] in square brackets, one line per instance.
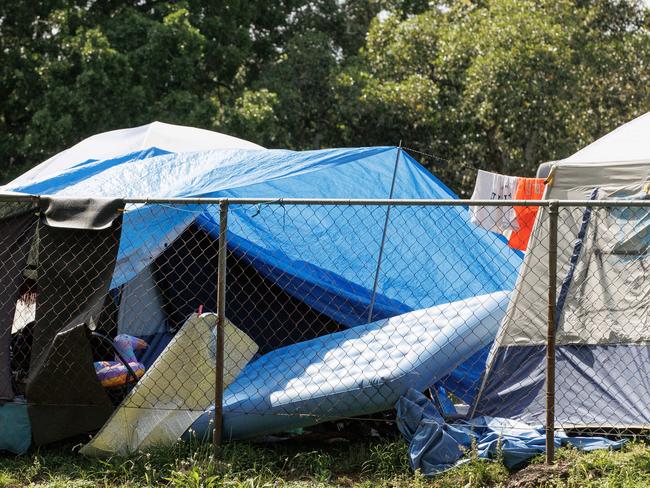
[382, 464]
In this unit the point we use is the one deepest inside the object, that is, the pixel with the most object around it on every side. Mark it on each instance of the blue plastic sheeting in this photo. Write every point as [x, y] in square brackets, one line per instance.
[435, 446]
[465, 380]
[146, 232]
[83, 171]
[325, 256]
[358, 371]
[15, 428]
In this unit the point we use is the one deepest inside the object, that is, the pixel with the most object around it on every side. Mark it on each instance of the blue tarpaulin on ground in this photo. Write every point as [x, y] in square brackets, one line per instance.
[435, 446]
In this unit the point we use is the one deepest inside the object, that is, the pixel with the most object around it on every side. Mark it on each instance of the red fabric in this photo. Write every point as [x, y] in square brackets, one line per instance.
[527, 189]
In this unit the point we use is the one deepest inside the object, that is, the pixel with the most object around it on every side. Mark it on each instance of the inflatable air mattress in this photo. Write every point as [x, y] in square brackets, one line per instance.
[355, 372]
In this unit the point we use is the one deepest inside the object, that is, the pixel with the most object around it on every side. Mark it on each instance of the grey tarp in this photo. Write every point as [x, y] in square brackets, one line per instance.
[17, 224]
[78, 243]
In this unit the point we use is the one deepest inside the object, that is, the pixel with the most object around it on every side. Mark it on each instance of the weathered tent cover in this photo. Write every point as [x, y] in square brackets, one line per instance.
[154, 138]
[603, 297]
[286, 244]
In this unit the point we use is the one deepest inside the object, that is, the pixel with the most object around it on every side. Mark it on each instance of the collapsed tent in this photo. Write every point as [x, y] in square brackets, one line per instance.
[295, 272]
[603, 293]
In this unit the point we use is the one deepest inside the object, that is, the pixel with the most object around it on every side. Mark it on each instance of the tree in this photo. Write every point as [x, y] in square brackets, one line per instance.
[502, 84]
[496, 84]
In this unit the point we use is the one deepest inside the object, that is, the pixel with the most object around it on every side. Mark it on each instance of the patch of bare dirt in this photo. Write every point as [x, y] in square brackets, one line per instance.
[539, 475]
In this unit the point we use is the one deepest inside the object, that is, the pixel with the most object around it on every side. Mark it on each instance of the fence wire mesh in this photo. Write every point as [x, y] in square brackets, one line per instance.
[333, 311]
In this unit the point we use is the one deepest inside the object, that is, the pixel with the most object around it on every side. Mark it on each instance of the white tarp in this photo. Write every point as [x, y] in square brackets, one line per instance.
[175, 391]
[169, 137]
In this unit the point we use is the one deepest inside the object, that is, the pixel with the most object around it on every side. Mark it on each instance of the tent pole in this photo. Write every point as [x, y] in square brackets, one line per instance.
[383, 236]
[550, 331]
[221, 316]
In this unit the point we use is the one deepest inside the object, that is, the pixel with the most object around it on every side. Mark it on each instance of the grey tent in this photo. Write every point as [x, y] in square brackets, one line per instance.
[603, 296]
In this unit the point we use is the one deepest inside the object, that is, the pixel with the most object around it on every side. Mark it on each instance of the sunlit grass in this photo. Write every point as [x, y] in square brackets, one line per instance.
[377, 464]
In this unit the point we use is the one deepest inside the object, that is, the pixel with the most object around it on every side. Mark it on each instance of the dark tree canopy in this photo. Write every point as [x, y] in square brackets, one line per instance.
[495, 84]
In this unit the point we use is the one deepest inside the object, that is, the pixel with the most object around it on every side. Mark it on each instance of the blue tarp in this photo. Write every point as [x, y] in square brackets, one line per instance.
[15, 427]
[435, 446]
[325, 256]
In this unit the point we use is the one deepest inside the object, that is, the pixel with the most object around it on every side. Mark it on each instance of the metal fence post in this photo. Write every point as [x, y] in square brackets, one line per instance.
[221, 316]
[550, 331]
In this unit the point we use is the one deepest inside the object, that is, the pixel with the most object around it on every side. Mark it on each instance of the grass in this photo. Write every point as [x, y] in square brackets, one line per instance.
[381, 464]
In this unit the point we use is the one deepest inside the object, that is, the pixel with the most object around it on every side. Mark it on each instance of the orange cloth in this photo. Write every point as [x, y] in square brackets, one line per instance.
[527, 189]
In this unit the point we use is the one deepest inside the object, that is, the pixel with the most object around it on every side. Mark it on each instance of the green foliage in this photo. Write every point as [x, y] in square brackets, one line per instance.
[496, 84]
[387, 460]
[501, 84]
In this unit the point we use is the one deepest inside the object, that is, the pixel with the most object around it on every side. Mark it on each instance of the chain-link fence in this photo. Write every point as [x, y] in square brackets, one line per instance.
[136, 319]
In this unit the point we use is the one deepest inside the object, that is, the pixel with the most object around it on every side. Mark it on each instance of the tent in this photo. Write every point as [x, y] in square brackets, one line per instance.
[603, 292]
[295, 272]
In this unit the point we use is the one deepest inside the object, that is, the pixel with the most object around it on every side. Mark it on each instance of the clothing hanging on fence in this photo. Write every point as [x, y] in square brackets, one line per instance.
[493, 186]
[527, 189]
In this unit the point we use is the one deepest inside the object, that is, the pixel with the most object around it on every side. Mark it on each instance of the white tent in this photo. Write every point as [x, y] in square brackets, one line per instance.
[166, 137]
[603, 297]
[629, 142]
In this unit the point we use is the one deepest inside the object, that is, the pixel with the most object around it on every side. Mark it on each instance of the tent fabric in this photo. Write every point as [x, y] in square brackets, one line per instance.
[465, 380]
[75, 266]
[141, 307]
[602, 273]
[64, 396]
[166, 138]
[602, 314]
[174, 391]
[269, 241]
[575, 257]
[597, 386]
[17, 224]
[629, 142]
[435, 446]
[601, 329]
[186, 275]
[80, 213]
[324, 256]
[15, 429]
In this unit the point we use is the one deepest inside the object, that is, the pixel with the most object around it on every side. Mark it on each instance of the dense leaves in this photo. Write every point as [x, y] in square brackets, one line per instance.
[496, 84]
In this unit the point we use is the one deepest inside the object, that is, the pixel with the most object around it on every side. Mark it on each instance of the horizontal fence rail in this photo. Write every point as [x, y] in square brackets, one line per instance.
[17, 197]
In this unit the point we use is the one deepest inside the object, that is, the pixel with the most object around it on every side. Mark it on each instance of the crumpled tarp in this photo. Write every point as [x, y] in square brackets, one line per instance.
[435, 446]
